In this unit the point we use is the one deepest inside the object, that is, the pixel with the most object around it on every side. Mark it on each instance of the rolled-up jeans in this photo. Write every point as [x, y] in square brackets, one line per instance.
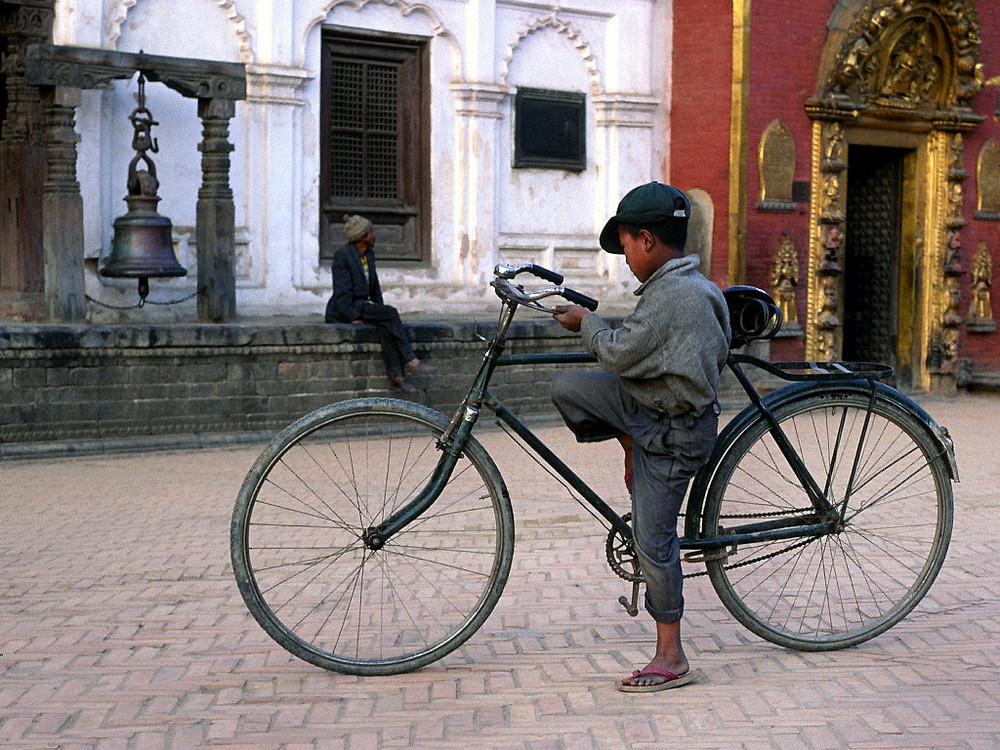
[666, 452]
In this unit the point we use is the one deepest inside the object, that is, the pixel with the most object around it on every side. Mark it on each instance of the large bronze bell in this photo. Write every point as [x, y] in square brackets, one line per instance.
[142, 246]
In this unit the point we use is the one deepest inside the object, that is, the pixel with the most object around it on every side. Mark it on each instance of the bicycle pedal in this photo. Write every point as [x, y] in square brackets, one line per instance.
[632, 607]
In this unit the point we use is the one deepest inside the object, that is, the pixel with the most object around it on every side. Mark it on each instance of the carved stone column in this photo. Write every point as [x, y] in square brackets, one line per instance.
[478, 109]
[62, 210]
[215, 230]
[22, 162]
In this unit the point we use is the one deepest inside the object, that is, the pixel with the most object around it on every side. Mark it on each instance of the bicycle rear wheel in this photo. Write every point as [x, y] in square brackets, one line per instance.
[842, 588]
[309, 579]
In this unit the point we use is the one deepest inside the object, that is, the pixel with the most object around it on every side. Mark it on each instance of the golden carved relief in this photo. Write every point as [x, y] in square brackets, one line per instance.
[910, 53]
[831, 198]
[784, 279]
[988, 179]
[951, 319]
[776, 163]
[833, 154]
[913, 66]
[980, 307]
[955, 218]
[823, 301]
[828, 321]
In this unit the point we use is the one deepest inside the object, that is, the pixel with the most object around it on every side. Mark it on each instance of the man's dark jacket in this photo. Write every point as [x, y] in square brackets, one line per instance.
[350, 287]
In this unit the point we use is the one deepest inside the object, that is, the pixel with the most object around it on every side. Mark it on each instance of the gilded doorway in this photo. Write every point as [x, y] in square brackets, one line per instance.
[889, 116]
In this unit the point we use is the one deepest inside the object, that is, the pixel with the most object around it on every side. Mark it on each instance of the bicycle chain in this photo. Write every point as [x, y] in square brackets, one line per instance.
[623, 552]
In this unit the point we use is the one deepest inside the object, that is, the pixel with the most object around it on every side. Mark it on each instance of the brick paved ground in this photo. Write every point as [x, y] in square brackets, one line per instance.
[121, 627]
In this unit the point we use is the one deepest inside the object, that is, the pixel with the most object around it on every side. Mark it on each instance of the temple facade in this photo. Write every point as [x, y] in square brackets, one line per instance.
[471, 133]
[841, 154]
[847, 151]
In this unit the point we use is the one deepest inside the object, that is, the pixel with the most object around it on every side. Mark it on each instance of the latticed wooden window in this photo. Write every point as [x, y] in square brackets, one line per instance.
[364, 130]
[374, 141]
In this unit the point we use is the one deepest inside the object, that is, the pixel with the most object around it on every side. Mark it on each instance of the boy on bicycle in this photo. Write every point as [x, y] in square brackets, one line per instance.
[656, 395]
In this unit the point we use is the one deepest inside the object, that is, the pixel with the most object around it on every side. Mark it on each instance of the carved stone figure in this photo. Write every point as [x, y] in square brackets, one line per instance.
[784, 279]
[980, 307]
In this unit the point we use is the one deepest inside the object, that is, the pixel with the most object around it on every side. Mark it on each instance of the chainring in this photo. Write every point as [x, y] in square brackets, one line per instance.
[621, 555]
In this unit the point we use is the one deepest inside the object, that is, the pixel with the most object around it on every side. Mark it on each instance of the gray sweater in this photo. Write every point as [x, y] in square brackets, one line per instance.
[670, 351]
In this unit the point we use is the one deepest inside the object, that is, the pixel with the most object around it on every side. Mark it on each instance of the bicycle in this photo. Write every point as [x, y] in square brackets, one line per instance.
[374, 536]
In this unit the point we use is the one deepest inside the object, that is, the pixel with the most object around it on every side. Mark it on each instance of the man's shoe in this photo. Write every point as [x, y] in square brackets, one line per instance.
[400, 384]
[418, 369]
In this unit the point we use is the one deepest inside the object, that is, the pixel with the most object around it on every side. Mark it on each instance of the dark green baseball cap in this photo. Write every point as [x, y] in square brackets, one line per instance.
[651, 203]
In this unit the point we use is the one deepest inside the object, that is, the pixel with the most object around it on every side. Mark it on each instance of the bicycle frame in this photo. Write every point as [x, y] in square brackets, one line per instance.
[454, 438]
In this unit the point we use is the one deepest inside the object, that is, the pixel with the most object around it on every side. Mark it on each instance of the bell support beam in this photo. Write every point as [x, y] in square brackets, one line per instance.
[58, 71]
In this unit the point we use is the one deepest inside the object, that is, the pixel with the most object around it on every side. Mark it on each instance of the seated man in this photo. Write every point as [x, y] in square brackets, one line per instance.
[357, 298]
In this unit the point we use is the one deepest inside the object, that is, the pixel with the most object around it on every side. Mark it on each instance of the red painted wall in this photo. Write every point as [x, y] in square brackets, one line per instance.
[983, 349]
[699, 149]
[786, 42]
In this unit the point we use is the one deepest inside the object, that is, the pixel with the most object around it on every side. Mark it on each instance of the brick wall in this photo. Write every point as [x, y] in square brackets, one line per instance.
[84, 388]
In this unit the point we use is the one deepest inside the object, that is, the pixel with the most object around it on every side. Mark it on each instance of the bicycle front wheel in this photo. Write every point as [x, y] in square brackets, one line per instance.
[305, 572]
[838, 589]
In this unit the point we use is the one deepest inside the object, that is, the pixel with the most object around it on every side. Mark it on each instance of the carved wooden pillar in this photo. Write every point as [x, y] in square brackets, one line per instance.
[215, 231]
[62, 210]
[22, 161]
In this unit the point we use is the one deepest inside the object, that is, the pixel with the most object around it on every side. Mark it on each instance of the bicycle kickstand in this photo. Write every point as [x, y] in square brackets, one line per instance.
[632, 607]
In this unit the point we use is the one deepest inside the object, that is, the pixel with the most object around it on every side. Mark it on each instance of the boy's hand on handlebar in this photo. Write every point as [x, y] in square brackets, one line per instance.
[569, 316]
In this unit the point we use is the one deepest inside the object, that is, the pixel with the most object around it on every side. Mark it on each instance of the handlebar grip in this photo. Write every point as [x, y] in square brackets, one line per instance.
[544, 273]
[580, 299]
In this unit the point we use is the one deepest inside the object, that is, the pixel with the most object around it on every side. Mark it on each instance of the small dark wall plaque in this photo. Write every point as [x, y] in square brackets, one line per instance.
[550, 129]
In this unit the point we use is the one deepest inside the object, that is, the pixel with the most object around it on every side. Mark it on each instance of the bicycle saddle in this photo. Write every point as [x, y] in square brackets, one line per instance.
[753, 314]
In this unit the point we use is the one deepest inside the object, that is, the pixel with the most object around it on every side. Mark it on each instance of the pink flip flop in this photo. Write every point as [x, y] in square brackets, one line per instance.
[671, 680]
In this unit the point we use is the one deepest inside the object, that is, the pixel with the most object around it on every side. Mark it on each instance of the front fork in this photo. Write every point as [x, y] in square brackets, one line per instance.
[451, 443]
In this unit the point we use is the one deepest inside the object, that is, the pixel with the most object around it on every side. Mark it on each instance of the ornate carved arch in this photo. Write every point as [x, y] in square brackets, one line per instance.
[119, 10]
[405, 9]
[909, 53]
[561, 27]
[899, 73]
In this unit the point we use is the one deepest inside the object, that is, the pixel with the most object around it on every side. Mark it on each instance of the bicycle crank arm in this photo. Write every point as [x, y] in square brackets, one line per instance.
[632, 607]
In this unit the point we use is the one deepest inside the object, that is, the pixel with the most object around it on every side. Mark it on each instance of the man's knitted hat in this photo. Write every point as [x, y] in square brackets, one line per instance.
[356, 227]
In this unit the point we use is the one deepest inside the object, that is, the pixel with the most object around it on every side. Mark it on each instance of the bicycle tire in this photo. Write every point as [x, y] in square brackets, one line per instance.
[306, 575]
[839, 589]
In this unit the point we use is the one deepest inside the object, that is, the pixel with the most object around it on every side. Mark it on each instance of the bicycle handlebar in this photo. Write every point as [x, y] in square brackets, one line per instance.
[579, 299]
[507, 290]
[509, 272]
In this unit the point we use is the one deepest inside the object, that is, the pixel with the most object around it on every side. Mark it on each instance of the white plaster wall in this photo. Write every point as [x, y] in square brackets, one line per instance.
[483, 210]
